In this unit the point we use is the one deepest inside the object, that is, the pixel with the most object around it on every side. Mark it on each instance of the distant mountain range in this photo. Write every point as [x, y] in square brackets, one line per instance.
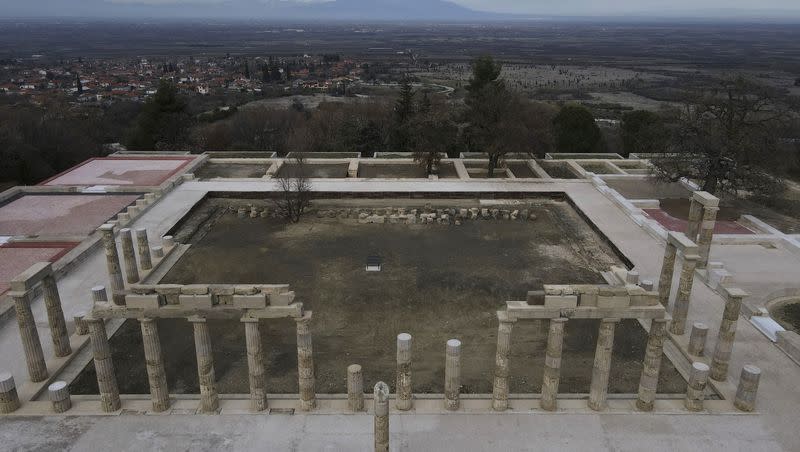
[364, 11]
[335, 10]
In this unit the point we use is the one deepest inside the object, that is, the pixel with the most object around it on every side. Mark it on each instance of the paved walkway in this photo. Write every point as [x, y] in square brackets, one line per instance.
[774, 428]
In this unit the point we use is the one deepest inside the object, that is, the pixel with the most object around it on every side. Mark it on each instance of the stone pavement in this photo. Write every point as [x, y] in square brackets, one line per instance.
[773, 427]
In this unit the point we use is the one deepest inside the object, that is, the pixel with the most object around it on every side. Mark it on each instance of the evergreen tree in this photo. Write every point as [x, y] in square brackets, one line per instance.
[163, 123]
[78, 83]
[576, 130]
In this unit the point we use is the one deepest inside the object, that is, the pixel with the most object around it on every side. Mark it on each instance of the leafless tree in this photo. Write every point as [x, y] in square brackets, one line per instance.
[727, 140]
[295, 190]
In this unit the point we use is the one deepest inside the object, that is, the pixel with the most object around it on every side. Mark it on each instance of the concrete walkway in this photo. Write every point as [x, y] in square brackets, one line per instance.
[773, 428]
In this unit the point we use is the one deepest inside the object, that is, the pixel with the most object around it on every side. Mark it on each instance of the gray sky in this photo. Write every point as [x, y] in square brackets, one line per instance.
[625, 6]
[785, 9]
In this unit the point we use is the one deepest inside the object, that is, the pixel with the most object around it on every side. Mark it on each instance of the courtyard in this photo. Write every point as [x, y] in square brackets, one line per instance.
[437, 281]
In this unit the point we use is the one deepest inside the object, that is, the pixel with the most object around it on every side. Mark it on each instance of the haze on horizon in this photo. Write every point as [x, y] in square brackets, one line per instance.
[403, 9]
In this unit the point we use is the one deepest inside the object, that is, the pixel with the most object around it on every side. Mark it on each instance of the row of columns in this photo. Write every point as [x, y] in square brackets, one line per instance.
[703, 209]
[29, 335]
[680, 309]
[209, 397]
[132, 267]
[600, 370]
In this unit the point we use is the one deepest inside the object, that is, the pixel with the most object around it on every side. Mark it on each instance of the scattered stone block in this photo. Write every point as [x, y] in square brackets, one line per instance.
[169, 292]
[197, 301]
[282, 299]
[561, 301]
[194, 289]
[244, 290]
[135, 301]
[257, 301]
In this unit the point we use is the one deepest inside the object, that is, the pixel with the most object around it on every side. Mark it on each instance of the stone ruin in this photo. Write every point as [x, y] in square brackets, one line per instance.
[556, 304]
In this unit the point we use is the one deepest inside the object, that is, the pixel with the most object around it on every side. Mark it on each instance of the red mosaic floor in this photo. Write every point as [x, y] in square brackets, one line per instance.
[671, 223]
[142, 171]
[59, 215]
[15, 258]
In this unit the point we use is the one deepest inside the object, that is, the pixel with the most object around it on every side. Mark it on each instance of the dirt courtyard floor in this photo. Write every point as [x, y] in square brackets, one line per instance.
[437, 282]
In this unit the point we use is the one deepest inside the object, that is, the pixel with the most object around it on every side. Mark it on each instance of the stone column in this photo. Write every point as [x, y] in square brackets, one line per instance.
[501, 363]
[58, 393]
[209, 400]
[706, 235]
[131, 269]
[695, 216]
[9, 399]
[81, 328]
[355, 388]
[452, 374]
[602, 365]
[681, 308]
[104, 365]
[112, 262]
[404, 394]
[255, 365]
[695, 390]
[381, 425]
[667, 270]
[727, 333]
[552, 364]
[747, 389]
[651, 366]
[55, 317]
[143, 246]
[697, 339]
[305, 363]
[154, 359]
[29, 335]
[99, 294]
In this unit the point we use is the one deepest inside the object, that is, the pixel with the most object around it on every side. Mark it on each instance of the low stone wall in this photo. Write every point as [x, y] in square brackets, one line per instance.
[400, 215]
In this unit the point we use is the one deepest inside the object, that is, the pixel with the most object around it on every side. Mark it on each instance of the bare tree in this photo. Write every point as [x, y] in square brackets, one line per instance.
[295, 191]
[727, 139]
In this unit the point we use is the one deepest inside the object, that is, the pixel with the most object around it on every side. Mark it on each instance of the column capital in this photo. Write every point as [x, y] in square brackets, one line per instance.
[196, 319]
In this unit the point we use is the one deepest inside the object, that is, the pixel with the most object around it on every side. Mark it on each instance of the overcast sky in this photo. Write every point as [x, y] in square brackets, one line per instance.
[624, 6]
[786, 9]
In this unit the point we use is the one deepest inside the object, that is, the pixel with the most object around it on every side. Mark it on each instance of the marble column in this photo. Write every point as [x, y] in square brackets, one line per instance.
[58, 393]
[695, 216]
[706, 235]
[29, 335]
[552, 364]
[355, 388]
[9, 399]
[452, 374]
[143, 246]
[154, 359]
[55, 317]
[255, 365]
[747, 389]
[404, 393]
[501, 365]
[209, 399]
[131, 268]
[667, 270]
[727, 333]
[305, 363]
[696, 388]
[681, 308]
[602, 365]
[104, 365]
[99, 294]
[112, 262]
[381, 424]
[697, 339]
[651, 366]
